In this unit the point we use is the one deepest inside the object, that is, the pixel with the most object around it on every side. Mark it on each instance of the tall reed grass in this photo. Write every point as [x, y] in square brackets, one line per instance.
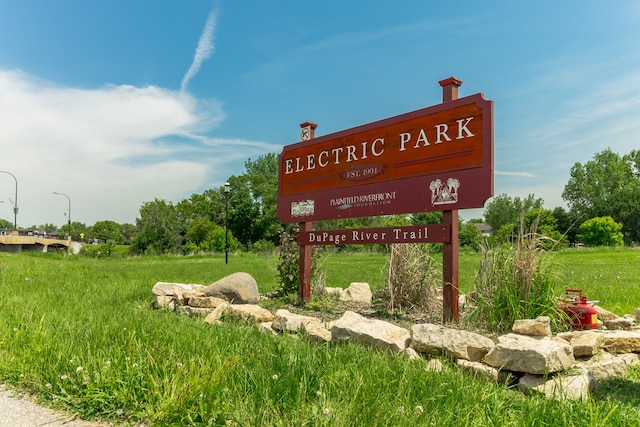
[515, 281]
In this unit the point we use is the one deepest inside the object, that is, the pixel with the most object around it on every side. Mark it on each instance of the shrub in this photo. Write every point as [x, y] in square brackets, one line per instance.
[601, 231]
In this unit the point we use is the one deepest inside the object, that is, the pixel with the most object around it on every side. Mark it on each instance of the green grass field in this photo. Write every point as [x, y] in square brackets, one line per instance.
[80, 334]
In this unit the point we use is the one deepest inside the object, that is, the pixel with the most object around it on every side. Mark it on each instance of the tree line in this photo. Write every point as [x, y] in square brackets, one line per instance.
[602, 195]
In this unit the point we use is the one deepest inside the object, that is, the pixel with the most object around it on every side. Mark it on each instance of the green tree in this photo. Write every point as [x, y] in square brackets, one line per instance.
[159, 230]
[199, 230]
[6, 225]
[608, 185]
[253, 201]
[544, 223]
[503, 209]
[262, 179]
[568, 223]
[601, 231]
[434, 217]
[127, 233]
[106, 231]
[470, 236]
[77, 228]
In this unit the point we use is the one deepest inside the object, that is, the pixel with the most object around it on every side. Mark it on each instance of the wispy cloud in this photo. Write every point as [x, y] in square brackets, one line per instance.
[204, 50]
[520, 174]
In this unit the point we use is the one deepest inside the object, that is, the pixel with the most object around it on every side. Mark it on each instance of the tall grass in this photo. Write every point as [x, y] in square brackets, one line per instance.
[81, 335]
[515, 282]
[413, 280]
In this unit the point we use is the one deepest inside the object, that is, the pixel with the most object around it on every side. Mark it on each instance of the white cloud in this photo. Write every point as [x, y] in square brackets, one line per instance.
[110, 149]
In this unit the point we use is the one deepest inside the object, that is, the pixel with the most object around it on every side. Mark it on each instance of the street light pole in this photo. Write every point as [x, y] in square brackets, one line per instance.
[69, 212]
[227, 187]
[15, 203]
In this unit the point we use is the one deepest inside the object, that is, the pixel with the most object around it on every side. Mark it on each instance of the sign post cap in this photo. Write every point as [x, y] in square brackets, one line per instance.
[450, 81]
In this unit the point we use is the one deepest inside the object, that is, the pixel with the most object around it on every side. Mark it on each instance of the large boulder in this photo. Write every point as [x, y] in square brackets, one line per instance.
[237, 288]
[374, 333]
[532, 355]
[459, 344]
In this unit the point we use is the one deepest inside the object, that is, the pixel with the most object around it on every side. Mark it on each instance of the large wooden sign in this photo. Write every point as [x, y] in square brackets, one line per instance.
[433, 159]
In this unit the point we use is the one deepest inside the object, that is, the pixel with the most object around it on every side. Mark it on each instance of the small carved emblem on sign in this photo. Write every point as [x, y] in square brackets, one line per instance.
[444, 194]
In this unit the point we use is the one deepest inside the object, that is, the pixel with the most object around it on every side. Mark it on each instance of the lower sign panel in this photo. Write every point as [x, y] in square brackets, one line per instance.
[433, 233]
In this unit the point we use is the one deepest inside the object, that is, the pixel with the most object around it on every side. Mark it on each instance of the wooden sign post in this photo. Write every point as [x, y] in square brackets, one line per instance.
[439, 158]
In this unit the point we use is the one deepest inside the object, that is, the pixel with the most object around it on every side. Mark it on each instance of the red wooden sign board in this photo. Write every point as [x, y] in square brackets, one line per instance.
[433, 159]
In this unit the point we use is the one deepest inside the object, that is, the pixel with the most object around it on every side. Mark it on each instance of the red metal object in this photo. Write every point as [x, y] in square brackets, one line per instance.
[581, 314]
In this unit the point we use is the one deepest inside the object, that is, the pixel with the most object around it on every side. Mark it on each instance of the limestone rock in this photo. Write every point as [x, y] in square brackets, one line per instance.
[205, 302]
[193, 311]
[540, 326]
[266, 327]
[214, 316]
[411, 354]
[621, 323]
[533, 355]
[479, 369]
[291, 322]
[621, 341]
[249, 313]
[237, 288]
[559, 387]
[586, 343]
[316, 332]
[605, 365]
[193, 294]
[370, 332]
[459, 344]
[164, 301]
[171, 289]
[604, 314]
[434, 365]
[358, 292]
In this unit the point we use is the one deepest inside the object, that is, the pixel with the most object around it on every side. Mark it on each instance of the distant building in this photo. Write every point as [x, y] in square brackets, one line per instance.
[485, 229]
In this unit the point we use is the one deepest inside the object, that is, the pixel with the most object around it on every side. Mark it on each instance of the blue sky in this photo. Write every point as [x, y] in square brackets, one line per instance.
[118, 102]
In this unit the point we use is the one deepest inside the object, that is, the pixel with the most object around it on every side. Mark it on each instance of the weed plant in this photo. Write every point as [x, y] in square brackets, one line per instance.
[80, 334]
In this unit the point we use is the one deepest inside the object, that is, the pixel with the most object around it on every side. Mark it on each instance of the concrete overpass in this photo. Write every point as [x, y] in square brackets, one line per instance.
[18, 241]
